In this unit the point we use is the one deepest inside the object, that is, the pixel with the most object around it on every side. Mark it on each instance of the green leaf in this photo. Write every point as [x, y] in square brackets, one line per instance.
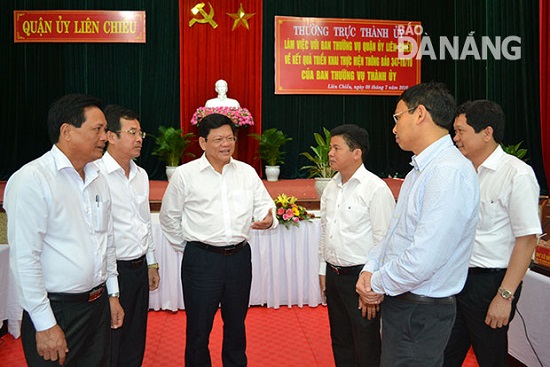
[271, 143]
[320, 166]
[515, 150]
[170, 145]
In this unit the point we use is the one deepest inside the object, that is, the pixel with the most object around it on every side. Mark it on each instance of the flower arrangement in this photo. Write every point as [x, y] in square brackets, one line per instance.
[289, 213]
[239, 116]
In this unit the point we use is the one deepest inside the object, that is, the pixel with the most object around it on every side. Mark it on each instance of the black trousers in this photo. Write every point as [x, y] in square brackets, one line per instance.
[415, 335]
[128, 342]
[210, 279]
[355, 339]
[490, 345]
[87, 328]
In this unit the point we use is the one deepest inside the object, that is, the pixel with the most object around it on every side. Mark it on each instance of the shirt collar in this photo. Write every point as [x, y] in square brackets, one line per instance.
[60, 159]
[111, 165]
[204, 163]
[359, 175]
[62, 162]
[494, 159]
[420, 161]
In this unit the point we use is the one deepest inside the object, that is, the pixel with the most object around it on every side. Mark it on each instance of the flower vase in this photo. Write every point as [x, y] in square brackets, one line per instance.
[320, 184]
[272, 173]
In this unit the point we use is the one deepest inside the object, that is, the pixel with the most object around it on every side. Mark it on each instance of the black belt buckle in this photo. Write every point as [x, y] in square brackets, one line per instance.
[231, 250]
[135, 264]
[95, 294]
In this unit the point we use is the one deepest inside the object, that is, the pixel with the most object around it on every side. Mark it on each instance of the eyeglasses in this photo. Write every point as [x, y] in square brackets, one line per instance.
[141, 134]
[396, 115]
[229, 139]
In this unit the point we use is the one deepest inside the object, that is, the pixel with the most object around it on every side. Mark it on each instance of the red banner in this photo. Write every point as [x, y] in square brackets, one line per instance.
[78, 26]
[343, 56]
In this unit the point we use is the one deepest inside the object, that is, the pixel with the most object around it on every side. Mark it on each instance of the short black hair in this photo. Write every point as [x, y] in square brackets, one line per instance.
[355, 137]
[483, 113]
[214, 121]
[69, 109]
[437, 100]
[113, 114]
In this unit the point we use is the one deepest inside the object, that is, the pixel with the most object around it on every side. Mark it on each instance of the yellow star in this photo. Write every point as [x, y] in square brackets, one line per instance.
[241, 17]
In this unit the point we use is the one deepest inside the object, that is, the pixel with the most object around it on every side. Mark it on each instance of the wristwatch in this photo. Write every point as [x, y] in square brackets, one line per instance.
[153, 266]
[114, 295]
[506, 294]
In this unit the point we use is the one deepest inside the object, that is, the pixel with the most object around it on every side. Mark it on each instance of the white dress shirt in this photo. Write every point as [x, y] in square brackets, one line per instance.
[217, 209]
[509, 196]
[60, 232]
[429, 242]
[130, 207]
[354, 218]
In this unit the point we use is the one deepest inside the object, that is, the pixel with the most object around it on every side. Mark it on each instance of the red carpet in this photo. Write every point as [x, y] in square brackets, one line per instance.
[294, 337]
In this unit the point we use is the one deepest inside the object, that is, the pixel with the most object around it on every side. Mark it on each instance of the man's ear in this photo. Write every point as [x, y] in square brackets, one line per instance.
[488, 133]
[112, 137]
[65, 131]
[422, 113]
[358, 154]
[202, 143]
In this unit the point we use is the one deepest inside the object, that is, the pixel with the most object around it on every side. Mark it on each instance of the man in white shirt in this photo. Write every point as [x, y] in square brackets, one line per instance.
[207, 211]
[135, 251]
[505, 239]
[222, 100]
[356, 208]
[60, 233]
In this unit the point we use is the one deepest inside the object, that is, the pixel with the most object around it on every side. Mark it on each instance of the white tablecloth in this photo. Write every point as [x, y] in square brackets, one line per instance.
[9, 307]
[284, 268]
[534, 306]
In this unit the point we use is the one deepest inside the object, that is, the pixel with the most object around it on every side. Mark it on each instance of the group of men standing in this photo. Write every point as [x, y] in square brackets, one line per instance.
[81, 249]
[442, 268]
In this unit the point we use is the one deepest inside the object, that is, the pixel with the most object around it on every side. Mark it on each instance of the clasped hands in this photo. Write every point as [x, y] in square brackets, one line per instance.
[369, 301]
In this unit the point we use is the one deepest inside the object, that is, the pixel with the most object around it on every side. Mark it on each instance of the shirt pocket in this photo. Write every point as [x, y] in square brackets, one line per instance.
[350, 214]
[142, 207]
[101, 216]
[487, 213]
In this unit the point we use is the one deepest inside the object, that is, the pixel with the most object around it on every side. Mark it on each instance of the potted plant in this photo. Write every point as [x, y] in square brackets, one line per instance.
[515, 150]
[170, 146]
[271, 142]
[320, 165]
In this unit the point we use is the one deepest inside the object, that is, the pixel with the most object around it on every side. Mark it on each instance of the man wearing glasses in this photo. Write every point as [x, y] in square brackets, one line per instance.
[422, 262]
[207, 211]
[135, 251]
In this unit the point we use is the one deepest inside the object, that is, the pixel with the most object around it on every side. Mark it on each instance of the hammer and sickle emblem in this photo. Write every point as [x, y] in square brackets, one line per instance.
[206, 18]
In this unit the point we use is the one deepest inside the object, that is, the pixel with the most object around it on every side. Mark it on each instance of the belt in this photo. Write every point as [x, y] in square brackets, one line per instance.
[425, 300]
[484, 270]
[132, 264]
[89, 296]
[346, 270]
[226, 250]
